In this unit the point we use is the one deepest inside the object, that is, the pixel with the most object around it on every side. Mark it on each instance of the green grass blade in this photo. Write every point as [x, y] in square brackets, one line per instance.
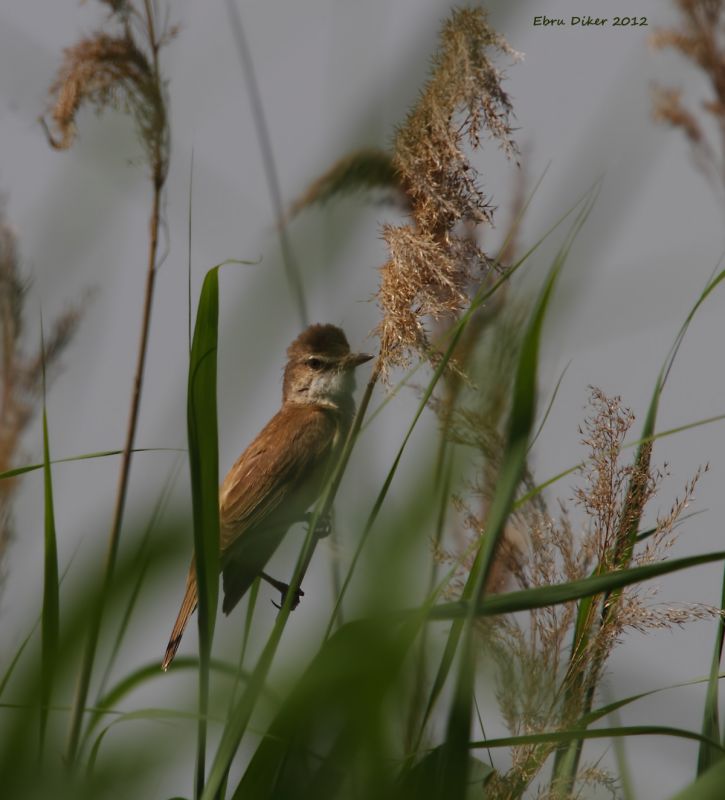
[14, 662]
[142, 560]
[380, 499]
[249, 617]
[188, 245]
[19, 652]
[204, 469]
[612, 708]
[144, 714]
[597, 733]
[239, 719]
[708, 786]
[626, 536]
[453, 774]
[624, 769]
[291, 267]
[333, 715]
[454, 635]
[541, 596]
[707, 756]
[419, 781]
[16, 471]
[550, 405]
[653, 438]
[149, 673]
[51, 601]
[484, 294]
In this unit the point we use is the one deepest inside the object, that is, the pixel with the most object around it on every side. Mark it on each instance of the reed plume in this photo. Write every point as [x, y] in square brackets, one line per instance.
[543, 684]
[21, 371]
[433, 258]
[700, 38]
[118, 69]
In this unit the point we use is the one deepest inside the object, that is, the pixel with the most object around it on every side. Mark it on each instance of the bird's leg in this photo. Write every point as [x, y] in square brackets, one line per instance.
[283, 588]
[323, 526]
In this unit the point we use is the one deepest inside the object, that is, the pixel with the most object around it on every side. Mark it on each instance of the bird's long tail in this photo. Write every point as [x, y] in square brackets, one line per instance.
[187, 609]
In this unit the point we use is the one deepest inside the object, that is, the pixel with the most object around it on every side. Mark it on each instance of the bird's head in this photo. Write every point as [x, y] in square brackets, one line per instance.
[320, 367]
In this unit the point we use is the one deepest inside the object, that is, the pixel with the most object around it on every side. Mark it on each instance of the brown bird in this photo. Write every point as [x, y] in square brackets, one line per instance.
[284, 470]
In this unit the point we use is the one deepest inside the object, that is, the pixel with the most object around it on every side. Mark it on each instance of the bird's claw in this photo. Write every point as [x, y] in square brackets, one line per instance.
[323, 525]
[283, 590]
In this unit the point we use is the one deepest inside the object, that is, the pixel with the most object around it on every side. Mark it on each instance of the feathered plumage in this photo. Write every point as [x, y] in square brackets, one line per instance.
[283, 471]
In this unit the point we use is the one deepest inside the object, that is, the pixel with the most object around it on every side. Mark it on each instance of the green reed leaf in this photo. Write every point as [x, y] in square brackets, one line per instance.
[50, 624]
[204, 469]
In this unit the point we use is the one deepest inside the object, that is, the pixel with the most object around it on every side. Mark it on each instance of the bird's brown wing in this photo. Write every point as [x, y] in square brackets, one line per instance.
[270, 486]
[280, 474]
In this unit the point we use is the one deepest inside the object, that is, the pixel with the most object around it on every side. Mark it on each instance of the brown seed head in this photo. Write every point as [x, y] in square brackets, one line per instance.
[113, 71]
[431, 265]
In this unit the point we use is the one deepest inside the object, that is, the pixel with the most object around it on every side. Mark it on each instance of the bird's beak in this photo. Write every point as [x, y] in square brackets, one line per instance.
[355, 359]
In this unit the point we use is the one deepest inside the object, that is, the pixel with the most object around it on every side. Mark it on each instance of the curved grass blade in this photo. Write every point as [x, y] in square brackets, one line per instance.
[455, 335]
[188, 245]
[541, 596]
[361, 170]
[158, 714]
[239, 719]
[636, 443]
[453, 775]
[292, 270]
[565, 769]
[13, 473]
[708, 786]
[150, 672]
[251, 607]
[51, 602]
[142, 561]
[204, 469]
[417, 781]
[597, 733]
[624, 770]
[707, 756]
[613, 707]
[19, 652]
[336, 712]
[549, 406]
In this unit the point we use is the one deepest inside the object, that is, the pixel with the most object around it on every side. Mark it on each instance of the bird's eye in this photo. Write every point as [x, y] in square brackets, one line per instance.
[315, 363]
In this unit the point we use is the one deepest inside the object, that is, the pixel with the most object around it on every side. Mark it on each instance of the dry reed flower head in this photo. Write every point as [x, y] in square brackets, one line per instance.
[538, 686]
[368, 169]
[430, 264]
[701, 40]
[114, 71]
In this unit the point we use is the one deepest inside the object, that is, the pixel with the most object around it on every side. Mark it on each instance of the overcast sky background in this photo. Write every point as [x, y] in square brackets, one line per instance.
[336, 75]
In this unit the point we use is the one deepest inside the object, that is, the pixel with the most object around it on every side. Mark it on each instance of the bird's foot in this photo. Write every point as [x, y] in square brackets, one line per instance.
[323, 526]
[283, 589]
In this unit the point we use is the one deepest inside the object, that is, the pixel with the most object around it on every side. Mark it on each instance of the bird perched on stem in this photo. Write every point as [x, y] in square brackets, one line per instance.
[284, 470]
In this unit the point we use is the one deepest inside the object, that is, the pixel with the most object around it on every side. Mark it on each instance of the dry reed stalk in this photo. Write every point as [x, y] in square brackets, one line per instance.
[118, 70]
